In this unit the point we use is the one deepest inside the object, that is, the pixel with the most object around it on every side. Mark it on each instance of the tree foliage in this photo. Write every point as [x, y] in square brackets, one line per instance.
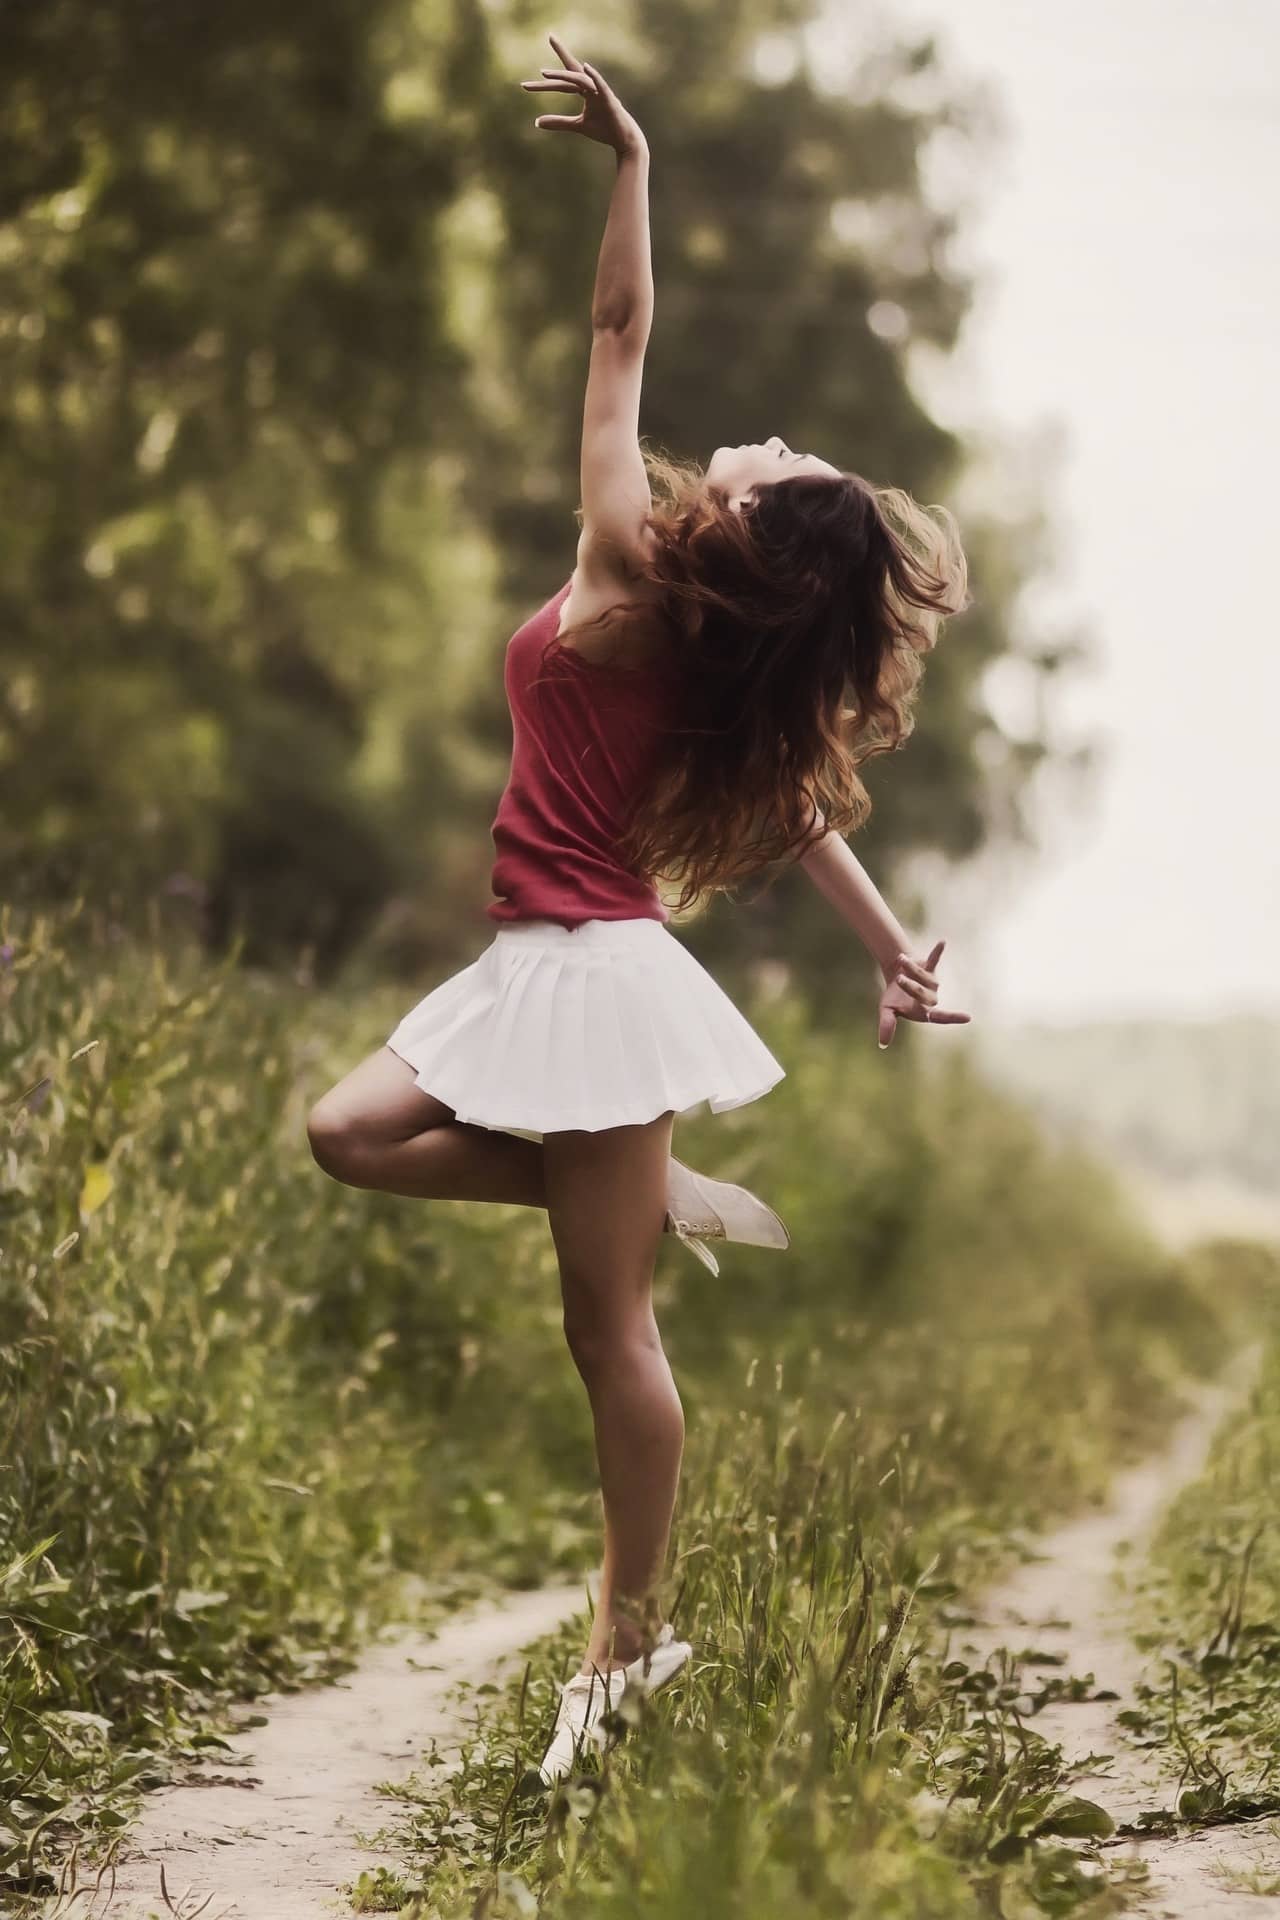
[293, 304]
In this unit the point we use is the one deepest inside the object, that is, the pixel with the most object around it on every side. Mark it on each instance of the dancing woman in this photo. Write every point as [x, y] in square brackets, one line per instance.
[692, 704]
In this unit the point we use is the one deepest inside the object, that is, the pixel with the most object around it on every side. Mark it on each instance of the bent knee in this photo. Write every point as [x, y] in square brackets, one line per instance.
[333, 1135]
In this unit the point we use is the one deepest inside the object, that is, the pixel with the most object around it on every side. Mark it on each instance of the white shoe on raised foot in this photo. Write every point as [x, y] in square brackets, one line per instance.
[701, 1209]
[585, 1699]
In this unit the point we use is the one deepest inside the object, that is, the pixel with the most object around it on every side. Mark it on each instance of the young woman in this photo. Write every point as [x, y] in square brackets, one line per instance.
[679, 711]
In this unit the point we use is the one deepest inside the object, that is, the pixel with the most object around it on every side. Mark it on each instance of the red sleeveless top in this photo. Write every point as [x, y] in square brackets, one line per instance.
[583, 738]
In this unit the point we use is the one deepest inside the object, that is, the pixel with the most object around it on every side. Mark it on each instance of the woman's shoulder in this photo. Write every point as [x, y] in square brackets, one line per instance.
[630, 637]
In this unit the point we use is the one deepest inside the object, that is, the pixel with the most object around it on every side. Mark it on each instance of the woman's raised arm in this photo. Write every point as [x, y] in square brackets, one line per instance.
[615, 481]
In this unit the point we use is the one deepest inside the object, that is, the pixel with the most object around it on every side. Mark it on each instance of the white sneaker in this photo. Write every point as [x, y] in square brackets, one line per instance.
[586, 1698]
[663, 1661]
[583, 1702]
[701, 1209]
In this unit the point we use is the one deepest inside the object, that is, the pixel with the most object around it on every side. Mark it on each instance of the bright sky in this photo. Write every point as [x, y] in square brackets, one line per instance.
[1127, 239]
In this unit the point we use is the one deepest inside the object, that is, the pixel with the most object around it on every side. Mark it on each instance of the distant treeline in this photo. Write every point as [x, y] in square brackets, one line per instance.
[1180, 1097]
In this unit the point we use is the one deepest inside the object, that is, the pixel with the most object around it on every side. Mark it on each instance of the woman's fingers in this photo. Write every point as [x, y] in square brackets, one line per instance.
[567, 83]
[566, 57]
[905, 962]
[942, 1016]
[603, 116]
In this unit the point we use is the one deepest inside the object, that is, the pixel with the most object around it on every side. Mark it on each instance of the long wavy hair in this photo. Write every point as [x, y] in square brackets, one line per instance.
[794, 633]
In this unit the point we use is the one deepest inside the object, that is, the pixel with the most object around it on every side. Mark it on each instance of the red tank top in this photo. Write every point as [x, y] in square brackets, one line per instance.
[583, 738]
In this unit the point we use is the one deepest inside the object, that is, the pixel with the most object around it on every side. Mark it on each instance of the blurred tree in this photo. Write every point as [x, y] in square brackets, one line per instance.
[221, 307]
[294, 309]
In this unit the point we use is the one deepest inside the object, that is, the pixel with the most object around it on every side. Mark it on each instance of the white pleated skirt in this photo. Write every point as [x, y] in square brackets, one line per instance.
[606, 1024]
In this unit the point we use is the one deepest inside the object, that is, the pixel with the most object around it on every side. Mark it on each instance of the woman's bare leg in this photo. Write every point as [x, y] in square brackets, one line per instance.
[377, 1128]
[606, 1200]
[606, 1203]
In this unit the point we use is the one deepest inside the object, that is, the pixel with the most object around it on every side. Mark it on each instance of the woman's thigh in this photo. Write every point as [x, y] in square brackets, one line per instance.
[607, 1204]
[379, 1100]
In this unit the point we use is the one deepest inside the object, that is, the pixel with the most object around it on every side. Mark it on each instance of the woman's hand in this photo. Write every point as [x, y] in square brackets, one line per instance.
[911, 993]
[603, 115]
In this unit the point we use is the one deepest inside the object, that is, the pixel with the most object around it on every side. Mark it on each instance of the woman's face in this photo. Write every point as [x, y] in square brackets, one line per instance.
[740, 469]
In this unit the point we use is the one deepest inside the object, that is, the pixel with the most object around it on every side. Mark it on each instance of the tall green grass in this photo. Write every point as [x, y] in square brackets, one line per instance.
[234, 1397]
[245, 1413]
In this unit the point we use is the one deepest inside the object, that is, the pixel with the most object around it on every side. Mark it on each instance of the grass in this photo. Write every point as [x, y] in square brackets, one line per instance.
[1208, 1606]
[245, 1414]
[836, 1506]
[819, 1758]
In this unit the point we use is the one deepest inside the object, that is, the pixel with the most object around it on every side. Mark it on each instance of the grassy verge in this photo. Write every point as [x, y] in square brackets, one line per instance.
[229, 1390]
[1208, 1614]
[244, 1412]
[819, 1759]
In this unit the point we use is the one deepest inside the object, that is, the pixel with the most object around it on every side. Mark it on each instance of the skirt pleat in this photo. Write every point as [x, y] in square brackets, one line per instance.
[647, 1042]
[516, 1046]
[605, 1024]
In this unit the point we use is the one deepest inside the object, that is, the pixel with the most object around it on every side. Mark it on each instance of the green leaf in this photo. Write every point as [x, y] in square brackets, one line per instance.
[1077, 1819]
[33, 1553]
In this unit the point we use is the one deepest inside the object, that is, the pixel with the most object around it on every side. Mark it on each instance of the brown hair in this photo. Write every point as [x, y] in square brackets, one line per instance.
[794, 632]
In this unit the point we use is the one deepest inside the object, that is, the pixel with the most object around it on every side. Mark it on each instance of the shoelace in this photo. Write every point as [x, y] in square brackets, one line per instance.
[712, 1228]
[697, 1245]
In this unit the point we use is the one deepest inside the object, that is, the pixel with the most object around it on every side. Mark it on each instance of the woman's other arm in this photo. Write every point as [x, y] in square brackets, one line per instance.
[911, 987]
[841, 878]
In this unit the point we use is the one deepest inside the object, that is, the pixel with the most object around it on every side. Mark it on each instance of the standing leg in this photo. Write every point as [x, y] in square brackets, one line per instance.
[606, 1204]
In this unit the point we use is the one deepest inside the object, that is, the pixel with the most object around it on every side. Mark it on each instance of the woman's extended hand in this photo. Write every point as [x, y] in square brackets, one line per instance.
[603, 115]
[911, 993]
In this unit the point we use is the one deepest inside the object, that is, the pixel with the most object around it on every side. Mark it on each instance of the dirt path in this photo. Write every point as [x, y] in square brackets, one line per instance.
[276, 1840]
[1070, 1601]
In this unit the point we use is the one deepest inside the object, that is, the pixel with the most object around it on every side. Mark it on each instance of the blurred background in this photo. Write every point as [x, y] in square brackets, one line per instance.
[293, 305]
[294, 328]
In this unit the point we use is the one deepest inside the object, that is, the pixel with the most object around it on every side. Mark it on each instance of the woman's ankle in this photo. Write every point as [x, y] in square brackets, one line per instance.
[625, 1643]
